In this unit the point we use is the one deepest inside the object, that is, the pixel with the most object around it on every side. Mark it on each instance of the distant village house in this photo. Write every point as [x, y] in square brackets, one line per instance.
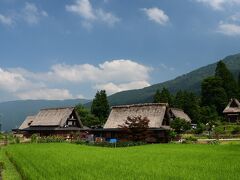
[232, 111]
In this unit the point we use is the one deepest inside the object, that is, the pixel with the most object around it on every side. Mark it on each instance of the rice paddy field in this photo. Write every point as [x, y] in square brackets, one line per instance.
[160, 161]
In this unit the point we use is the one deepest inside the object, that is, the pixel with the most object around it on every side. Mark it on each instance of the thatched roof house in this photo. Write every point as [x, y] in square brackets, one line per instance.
[179, 113]
[232, 111]
[52, 121]
[158, 114]
[155, 112]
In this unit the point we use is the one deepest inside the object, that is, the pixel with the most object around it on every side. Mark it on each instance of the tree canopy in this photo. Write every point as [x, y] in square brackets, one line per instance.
[213, 93]
[100, 107]
[230, 84]
[136, 128]
[163, 97]
[87, 118]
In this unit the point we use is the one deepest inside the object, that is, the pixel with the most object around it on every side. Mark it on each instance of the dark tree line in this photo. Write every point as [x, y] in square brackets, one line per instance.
[216, 91]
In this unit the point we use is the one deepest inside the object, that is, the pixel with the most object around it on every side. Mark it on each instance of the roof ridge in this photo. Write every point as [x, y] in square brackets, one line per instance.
[140, 104]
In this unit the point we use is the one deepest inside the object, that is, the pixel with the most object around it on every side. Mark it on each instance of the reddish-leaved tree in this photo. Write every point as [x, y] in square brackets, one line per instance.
[136, 128]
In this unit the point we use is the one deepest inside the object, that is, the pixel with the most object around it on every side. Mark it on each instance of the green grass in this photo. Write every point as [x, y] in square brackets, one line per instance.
[9, 172]
[160, 161]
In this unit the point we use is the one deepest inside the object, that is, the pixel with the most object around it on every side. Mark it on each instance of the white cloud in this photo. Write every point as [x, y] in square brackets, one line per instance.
[229, 29]
[219, 4]
[115, 71]
[157, 15]
[6, 20]
[11, 81]
[84, 9]
[114, 88]
[32, 14]
[62, 79]
[49, 94]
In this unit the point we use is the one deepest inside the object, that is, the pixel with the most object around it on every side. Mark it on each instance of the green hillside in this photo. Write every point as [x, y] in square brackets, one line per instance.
[13, 113]
[190, 81]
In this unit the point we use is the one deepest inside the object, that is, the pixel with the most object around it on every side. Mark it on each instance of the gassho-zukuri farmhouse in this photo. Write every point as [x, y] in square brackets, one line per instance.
[66, 121]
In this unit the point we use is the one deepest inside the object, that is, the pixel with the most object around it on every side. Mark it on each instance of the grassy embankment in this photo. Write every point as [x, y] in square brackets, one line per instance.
[160, 161]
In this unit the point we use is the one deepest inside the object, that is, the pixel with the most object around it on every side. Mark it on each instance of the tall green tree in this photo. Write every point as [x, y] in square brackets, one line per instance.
[189, 102]
[213, 93]
[100, 106]
[230, 84]
[179, 100]
[166, 97]
[163, 97]
[87, 118]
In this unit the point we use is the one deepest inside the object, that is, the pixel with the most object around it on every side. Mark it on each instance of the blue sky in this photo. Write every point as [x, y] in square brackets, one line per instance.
[63, 49]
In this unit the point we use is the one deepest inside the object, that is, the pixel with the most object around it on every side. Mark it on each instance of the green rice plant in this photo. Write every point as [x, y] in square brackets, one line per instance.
[158, 161]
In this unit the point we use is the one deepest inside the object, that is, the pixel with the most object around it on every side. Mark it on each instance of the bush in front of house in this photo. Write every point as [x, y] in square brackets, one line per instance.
[214, 142]
[236, 130]
[50, 139]
[112, 145]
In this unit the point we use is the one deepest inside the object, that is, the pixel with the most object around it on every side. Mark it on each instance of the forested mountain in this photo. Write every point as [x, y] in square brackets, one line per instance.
[190, 81]
[13, 113]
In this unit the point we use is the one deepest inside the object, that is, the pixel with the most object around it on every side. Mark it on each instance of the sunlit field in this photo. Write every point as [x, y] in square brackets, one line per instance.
[162, 161]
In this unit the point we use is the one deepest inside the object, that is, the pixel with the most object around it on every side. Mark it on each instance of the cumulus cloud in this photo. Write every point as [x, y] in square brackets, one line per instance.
[219, 4]
[156, 15]
[48, 94]
[89, 15]
[62, 79]
[6, 20]
[32, 14]
[114, 88]
[11, 81]
[116, 71]
[229, 29]
[82, 8]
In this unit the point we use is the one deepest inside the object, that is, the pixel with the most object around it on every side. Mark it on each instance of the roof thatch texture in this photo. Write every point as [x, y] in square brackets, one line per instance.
[52, 117]
[179, 113]
[27, 122]
[153, 111]
[232, 107]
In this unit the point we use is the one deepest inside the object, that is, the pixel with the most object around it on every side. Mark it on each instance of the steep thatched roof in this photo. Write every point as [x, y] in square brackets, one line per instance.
[155, 112]
[27, 122]
[52, 117]
[179, 113]
[232, 107]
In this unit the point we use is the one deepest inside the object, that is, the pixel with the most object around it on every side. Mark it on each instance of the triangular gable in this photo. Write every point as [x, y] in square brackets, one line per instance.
[232, 107]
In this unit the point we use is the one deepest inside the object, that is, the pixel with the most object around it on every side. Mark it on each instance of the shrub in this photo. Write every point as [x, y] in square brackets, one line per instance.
[34, 138]
[200, 128]
[17, 140]
[214, 142]
[191, 138]
[236, 130]
[50, 139]
[118, 144]
[180, 125]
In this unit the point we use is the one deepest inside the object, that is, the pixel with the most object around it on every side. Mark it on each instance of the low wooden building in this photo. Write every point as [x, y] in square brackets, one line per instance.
[232, 111]
[158, 114]
[52, 121]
